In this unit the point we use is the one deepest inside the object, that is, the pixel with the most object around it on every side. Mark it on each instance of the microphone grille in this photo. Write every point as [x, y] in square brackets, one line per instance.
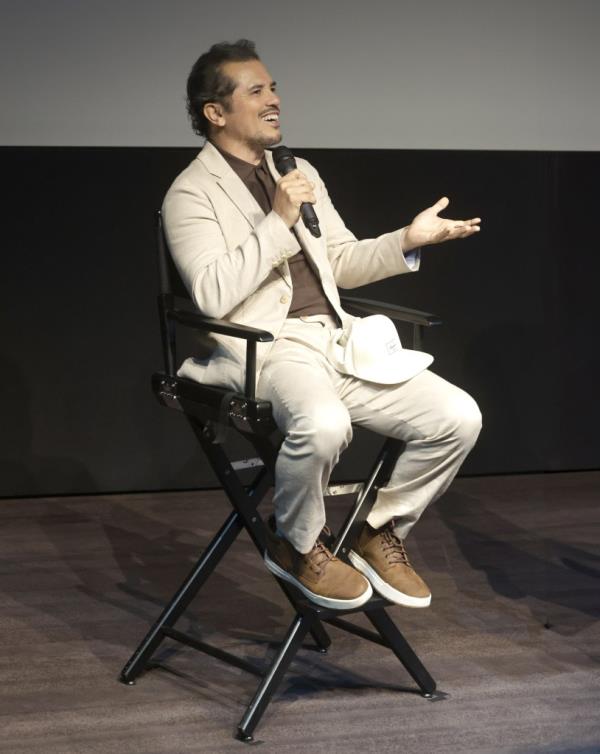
[284, 160]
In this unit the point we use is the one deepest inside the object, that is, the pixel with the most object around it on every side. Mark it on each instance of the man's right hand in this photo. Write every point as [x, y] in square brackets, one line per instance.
[291, 191]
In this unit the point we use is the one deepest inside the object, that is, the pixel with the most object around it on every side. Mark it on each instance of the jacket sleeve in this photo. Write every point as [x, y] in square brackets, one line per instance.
[355, 262]
[219, 278]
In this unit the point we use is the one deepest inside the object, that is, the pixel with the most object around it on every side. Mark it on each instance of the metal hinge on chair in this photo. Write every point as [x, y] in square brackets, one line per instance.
[348, 488]
[247, 463]
[167, 392]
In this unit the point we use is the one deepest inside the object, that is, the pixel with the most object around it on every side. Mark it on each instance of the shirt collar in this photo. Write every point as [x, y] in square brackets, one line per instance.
[241, 167]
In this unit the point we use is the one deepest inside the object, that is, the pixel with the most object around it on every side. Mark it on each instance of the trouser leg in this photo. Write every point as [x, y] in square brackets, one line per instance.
[317, 428]
[439, 423]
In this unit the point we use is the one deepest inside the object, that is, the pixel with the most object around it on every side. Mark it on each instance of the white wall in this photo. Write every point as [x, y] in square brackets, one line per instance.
[432, 74]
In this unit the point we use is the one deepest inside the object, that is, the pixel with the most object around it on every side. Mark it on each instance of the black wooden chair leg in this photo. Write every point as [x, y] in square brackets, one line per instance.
[320, 636]
[402, 649]
[272, 679]
[184, 595]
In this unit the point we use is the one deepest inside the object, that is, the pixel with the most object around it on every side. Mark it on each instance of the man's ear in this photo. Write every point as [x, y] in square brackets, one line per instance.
[213, 112]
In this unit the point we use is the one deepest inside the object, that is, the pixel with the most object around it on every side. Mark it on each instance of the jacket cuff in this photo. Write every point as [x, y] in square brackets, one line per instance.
[411, 257]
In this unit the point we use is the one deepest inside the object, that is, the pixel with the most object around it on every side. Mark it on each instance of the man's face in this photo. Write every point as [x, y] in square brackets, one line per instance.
[252, 117]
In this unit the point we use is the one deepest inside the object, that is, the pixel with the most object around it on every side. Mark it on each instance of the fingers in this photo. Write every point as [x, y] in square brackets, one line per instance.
[299, 194]
[441, 204]
[297, 188]
[464, 229]
[294, 177]
[454, 229]
[291, 192]
[458, 228]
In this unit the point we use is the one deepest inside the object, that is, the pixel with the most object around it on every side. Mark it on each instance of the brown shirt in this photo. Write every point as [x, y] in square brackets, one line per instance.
[308, 296]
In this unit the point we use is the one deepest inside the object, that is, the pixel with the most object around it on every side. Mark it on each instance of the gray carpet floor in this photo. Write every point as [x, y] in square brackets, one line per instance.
[512, 636]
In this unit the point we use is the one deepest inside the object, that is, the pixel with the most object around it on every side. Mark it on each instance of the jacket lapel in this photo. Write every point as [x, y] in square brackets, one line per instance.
[236, 190]
[284, 268]
[315, 250]
[231, 184]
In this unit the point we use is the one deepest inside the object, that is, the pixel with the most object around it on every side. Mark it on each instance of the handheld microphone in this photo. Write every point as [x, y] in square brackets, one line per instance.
[285, 162]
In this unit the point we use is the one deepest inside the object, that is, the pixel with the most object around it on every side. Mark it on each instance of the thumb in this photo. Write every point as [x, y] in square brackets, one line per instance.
[441, 204]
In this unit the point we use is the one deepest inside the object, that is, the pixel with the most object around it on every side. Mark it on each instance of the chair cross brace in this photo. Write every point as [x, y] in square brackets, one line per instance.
[309, 617]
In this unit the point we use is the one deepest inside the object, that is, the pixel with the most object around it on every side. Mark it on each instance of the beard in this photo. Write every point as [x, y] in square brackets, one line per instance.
[262, 141]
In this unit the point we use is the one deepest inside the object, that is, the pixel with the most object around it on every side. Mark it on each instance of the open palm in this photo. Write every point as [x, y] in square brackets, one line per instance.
[427, 228]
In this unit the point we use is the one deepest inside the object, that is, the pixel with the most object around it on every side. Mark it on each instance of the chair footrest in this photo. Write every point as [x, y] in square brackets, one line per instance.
[326, 613]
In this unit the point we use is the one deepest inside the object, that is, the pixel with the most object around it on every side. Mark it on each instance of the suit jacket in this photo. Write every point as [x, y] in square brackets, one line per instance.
[233, 258]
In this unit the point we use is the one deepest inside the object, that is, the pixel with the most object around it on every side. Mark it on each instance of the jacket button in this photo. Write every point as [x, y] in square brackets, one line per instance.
[284, 299]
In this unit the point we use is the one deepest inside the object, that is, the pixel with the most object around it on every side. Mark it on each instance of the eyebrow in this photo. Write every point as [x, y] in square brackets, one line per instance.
[260, 86]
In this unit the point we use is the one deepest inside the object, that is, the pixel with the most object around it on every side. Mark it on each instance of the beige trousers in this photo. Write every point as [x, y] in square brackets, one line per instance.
[314, 407]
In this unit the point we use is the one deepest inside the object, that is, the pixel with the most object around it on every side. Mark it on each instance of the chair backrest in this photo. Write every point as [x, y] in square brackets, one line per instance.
[170, 286]
[169, 280]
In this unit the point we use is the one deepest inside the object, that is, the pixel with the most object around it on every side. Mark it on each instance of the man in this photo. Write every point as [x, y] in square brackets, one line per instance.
[233, 228]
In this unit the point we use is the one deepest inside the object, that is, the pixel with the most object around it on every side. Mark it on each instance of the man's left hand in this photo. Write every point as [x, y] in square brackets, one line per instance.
[427, 228]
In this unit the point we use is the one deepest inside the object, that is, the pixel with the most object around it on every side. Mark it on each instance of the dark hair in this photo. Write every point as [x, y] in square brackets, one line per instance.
[207, 83]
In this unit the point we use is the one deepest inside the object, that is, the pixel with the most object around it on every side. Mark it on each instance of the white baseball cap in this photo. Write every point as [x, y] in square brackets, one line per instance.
[371, 349]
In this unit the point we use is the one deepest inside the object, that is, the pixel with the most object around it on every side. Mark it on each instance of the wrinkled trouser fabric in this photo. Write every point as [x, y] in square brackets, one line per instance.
[314, 407]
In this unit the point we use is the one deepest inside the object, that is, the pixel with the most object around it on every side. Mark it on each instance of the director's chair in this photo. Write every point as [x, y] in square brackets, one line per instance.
[211, 411]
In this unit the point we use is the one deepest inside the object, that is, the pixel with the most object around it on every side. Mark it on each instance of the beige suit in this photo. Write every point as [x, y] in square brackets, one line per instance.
[233, 260]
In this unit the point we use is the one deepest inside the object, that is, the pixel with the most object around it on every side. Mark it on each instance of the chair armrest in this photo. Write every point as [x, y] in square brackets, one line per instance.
[252, 335]
[418, 319]
[222, 326]
[398, 313]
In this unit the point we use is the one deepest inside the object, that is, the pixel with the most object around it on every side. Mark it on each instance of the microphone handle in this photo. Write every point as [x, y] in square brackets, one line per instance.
[309, 216]
[285, 162]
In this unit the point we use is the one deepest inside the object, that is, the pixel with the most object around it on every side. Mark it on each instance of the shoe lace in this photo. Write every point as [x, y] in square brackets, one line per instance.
[319, 555]
[394, 547]
[326, 536]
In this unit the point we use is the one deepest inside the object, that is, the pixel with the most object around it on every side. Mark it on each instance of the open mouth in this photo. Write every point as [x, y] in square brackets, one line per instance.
[271, 118]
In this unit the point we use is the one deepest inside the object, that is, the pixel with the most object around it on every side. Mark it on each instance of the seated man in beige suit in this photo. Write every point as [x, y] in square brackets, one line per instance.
[233, 228]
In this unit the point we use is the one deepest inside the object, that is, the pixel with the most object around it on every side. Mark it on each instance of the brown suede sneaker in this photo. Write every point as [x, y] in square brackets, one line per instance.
[323, 578]
[381, 557]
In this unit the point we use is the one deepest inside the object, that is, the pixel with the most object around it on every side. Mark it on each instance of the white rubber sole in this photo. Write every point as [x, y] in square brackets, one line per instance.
[384, 589]
[318, 599]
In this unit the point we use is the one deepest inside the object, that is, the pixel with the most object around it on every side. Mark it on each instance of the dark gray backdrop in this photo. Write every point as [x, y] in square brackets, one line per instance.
[80, 337]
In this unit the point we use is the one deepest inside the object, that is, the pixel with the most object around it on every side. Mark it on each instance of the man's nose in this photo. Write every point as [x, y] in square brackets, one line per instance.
[274, 100]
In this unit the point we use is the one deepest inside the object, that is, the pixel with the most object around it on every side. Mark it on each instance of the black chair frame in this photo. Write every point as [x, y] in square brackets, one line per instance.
[208, 409]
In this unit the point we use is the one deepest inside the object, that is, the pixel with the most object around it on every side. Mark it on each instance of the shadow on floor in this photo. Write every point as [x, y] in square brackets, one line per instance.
[522, 564]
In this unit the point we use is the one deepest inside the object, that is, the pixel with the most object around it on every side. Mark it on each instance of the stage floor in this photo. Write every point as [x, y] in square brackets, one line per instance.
[512, 636]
